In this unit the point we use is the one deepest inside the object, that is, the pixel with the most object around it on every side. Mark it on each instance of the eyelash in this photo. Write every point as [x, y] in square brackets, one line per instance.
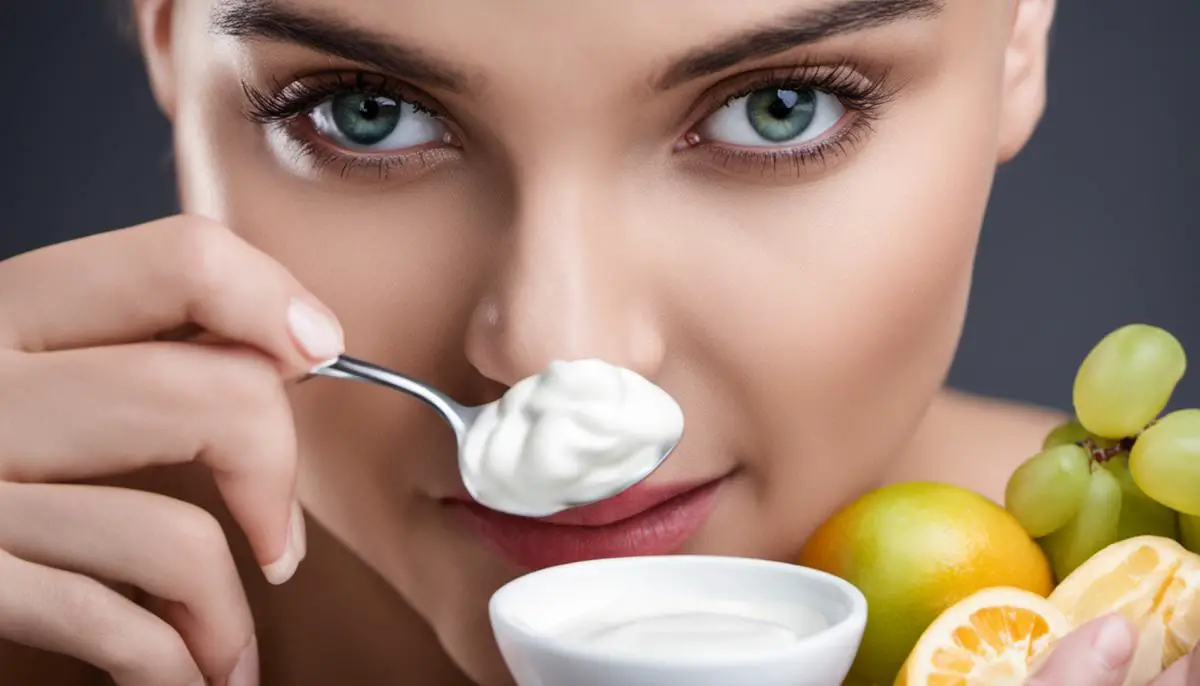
[285, 107]
[864, 100]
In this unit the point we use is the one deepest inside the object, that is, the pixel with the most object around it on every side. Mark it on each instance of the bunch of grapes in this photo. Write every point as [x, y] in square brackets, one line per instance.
[1118, 470]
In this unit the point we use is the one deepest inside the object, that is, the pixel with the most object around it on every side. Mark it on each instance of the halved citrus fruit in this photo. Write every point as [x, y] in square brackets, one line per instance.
[1129, 577]
[1144, 578]
[991, 637]
[1180, 610]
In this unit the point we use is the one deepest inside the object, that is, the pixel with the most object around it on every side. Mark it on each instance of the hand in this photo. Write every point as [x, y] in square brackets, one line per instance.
[1102, 653]
[88, 389]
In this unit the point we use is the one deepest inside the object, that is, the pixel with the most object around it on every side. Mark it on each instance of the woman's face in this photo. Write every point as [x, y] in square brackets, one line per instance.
[770, 208]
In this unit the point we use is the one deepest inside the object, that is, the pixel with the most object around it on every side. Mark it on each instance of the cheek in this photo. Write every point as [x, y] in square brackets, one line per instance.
[890, 270]
[399, 261]
[837, 305]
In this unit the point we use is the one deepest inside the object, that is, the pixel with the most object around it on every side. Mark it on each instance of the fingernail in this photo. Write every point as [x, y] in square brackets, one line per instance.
[315, 332]
[246, 671]
[1114, 642]
[281, 570]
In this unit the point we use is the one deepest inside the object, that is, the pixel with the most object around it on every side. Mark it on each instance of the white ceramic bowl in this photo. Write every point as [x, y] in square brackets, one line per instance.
[529, 613]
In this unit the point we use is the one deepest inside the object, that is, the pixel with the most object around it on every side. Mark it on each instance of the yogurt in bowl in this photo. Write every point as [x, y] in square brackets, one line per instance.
[678, 621]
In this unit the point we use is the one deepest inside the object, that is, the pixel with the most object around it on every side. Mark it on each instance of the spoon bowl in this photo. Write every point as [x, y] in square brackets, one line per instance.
[460, 417]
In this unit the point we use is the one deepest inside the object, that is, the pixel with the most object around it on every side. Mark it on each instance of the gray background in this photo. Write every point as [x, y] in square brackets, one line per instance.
[1089, 229]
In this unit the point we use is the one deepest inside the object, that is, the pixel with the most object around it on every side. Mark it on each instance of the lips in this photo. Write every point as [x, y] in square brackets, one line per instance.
[647, 519]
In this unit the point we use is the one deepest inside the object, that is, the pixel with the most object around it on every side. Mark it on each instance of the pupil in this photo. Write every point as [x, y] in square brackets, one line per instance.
[779, 114]
[369, 109]
[785, 102]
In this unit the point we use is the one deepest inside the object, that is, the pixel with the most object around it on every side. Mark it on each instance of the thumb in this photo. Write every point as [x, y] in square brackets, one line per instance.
[1096, 654]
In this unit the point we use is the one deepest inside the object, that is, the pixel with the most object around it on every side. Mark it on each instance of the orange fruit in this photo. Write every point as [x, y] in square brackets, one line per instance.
[992, 637]
[1127, 577]
[1147, 579]
[915, 549]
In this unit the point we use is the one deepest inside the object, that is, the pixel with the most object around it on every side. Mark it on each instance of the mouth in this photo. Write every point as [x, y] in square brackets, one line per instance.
[647, 519]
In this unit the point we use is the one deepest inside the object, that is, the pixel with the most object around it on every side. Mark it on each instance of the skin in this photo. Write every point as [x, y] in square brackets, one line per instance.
[804, 318]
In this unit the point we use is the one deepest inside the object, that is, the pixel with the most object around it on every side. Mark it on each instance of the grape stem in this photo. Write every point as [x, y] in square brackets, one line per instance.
[1101, 454]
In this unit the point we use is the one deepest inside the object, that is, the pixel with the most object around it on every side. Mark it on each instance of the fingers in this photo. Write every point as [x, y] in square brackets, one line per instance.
[107, 533]
[67, 613]
[1177, 674]
[1097, 654]
[1184, 672]
[130, 285]
[87, 413]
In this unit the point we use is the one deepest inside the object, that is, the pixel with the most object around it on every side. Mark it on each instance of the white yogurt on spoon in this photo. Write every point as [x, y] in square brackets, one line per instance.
[571, 434]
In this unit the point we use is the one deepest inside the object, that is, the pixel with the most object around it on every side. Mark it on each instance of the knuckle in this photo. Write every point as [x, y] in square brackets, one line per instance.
[173, 376]
[261, 414]
[199, 539]
[122, 649]
[250, 381]
[236, 396]
[230, 645]
[268, 441]
[203, 252]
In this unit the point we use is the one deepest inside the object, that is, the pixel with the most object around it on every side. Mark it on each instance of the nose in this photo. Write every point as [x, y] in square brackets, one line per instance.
[571, 285]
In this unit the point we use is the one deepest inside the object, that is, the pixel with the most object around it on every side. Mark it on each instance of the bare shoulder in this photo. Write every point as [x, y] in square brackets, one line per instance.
[974, 442]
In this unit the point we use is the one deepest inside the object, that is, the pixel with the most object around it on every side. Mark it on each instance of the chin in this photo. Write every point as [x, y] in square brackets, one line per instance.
[493, 549]
[464, 628]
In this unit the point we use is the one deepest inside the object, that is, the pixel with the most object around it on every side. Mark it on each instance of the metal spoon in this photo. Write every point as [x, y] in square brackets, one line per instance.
[460, 417]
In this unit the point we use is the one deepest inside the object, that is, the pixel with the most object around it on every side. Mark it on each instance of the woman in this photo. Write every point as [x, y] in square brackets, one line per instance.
[770, 208]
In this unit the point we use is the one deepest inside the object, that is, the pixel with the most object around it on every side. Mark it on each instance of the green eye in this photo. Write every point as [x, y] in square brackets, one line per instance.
[781, 115]
[774, 117]
[374, 122]
[364, 120]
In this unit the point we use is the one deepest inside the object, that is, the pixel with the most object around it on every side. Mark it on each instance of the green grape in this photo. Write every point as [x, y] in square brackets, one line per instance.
[1141, 515]
[1048, 488]
[1064, 434]
[1092, 529]
[1189, 532]
[1165, 461]
[1127, 380]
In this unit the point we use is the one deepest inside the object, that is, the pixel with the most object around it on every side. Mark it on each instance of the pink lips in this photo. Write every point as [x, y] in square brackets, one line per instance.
[648, 519]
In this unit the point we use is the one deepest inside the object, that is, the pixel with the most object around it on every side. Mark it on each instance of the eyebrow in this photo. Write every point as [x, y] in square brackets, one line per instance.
[327, 34]
[808, 26]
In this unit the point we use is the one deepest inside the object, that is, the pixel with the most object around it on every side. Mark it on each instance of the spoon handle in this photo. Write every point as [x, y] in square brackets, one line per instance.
[349, 368]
